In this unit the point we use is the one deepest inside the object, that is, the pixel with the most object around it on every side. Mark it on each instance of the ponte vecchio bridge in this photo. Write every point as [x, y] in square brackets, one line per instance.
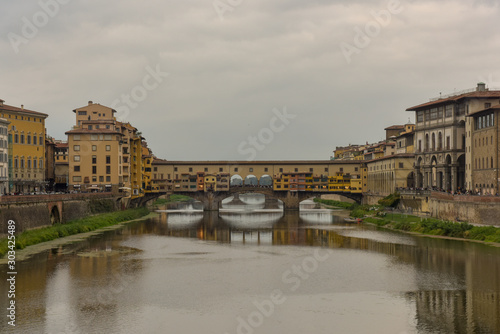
[289, 181]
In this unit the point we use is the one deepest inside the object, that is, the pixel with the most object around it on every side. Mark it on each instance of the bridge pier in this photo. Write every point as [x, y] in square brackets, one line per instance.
[292, 201]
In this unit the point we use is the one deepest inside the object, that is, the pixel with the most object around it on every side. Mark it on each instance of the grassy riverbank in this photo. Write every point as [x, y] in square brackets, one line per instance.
[32, 237]
[410, 223]
[172, 198]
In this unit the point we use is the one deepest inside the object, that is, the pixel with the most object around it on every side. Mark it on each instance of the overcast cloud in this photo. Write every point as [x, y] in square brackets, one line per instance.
[225, 77]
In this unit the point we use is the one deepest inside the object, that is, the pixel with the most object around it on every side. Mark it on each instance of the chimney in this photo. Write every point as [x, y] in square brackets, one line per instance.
[90, 102]
[481, 87]
[1, 102]
[22, 106]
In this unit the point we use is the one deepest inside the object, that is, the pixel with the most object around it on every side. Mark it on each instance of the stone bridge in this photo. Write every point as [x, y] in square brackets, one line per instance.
[291, 199]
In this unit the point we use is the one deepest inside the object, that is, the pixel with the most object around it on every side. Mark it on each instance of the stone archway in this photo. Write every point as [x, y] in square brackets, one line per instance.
[55, 216]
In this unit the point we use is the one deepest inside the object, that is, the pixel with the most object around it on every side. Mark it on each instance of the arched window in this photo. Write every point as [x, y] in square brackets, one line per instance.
[440, 141]
[28, 139]
[29, 163]
[34, 140]
[22, 163]
[427, 142]
[433, 141]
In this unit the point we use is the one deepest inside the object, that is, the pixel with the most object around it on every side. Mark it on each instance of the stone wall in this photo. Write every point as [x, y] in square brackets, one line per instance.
[472, 209]
[371, 199]
[29, 214]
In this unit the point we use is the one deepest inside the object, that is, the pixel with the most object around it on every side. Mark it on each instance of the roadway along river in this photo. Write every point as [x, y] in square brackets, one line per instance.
[258, 272]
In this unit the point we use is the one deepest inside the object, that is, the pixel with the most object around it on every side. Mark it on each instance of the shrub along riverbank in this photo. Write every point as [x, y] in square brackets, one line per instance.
[410, 223]
[88, 224]
[172, 198]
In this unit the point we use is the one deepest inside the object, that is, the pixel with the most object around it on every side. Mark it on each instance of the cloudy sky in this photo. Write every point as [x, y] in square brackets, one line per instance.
[240, 79]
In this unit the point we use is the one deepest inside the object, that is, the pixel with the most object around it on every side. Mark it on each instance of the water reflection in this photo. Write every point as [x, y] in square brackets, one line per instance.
[110, 282]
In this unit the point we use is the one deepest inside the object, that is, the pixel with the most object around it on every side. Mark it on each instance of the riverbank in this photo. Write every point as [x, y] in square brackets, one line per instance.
[78, 227]
[418, 225]
[172, 199]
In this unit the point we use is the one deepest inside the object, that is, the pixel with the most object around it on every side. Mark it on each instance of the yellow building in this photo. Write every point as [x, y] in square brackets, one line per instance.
[27, 148]
[107, 155]
[387, 174]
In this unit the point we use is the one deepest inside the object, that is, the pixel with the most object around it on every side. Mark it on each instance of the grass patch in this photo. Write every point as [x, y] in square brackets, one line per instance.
[431, 226]
[32, 237]
[173, 198]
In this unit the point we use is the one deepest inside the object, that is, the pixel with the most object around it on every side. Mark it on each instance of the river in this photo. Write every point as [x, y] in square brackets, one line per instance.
[253, 269]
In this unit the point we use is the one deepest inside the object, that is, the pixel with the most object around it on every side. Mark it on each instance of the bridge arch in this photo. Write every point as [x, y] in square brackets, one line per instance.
[55, 215]
[266, 180]
[236, 180]
[251, 180]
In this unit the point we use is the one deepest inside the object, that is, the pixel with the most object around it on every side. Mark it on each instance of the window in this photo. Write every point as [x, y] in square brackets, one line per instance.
[94, 169]
[281, 170]
[82, 113]
[75, 137]
[311, 170]
[94, 159]
[76, 168]
[101, 178]
[401, 165]
[108, 178]
[236, 169]
[206, 169]
[16, 163]
[94, 178]
[220, 169]
[487, 105]
[108, 159]
[94, 147]
[108, 147]
[34, 163]
[420, 116]
[296, 170]
[34, 140]
[22, 139]
[16, 138]
[341, 169]
[355, 169]
[76, 158]
[107, 137]
[93, 137]
[40, 142]
[28, 139]
[250, 169]
[190, 169]
[76, 147]
[40, 163]
[90, 127]
[108, 169]
[77, 179]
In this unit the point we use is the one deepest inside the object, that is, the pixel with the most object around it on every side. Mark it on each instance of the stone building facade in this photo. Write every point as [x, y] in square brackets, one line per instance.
[443, 138]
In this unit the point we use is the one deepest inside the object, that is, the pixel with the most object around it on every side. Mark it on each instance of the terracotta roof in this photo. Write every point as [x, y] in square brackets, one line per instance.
[481, 94]
[261, 162]
[395, 127]
[4, 107]
[401, 155]
[61, 145]
[495, 107]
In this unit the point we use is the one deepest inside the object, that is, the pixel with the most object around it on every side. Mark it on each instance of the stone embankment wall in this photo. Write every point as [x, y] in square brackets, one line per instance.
[472, 209]
[43, 210]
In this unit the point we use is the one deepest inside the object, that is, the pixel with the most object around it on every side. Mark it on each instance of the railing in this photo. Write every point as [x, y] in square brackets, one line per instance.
[414, 192]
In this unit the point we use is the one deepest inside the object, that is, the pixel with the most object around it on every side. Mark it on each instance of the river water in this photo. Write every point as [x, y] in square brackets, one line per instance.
[253, 269]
